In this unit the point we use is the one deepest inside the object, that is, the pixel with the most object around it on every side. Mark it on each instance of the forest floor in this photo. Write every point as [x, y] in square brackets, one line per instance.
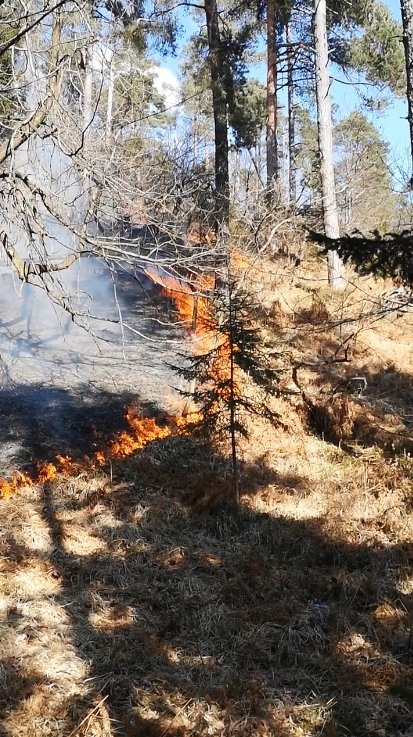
[135, 601]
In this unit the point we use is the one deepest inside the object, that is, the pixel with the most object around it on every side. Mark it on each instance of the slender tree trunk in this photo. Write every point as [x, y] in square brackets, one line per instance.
[325, 143]
[272, 147]
[406, 7]
[219, 98]
[232, 400]
[292, 170]
[87, 111]
[109, 107]
[87, 116]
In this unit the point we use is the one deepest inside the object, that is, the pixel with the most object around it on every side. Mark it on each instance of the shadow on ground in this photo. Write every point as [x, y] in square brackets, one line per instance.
[38, 422]
[145, 605]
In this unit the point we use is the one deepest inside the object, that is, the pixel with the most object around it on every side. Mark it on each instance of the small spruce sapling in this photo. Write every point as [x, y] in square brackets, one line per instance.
[232, 373]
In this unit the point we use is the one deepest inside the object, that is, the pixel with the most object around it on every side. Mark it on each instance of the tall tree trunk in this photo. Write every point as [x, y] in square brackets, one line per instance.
[406, 7]
[272, 147]
[87, 119]
[292, 170]
[325, 143]
[87, 106]
[109, 106]
[219, 99]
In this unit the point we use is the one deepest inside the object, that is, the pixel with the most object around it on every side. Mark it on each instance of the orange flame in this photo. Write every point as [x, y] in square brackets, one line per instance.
[194, 308]
[142, 430]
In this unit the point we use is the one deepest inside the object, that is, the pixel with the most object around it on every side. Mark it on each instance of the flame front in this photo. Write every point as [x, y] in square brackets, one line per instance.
[194, 308]
[142, 430]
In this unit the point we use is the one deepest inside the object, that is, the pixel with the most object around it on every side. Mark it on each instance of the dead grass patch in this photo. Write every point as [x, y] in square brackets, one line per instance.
[142, 603]
[281, 619]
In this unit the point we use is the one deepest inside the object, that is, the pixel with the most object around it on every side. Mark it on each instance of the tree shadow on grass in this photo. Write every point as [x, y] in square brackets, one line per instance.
[188, 618]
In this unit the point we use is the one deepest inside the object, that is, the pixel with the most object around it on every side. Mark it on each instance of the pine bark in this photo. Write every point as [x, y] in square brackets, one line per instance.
[219, 99]
[325, 143]
[272, 147]
[406, 7]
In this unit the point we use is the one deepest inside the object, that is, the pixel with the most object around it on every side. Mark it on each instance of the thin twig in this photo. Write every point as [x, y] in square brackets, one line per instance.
[166, 730]
[88, 715]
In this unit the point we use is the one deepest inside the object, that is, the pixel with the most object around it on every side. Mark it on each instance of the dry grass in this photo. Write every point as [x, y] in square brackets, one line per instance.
[143, 605]
[126, 612]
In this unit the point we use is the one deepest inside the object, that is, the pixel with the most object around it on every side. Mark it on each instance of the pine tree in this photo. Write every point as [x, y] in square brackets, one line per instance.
[292, 170]
[272, 97]
[407, 20]
[307, 159]
[219, 97]
[233, 350]
[377, 52]
[365, 191]
[387, 256]
[325, 142]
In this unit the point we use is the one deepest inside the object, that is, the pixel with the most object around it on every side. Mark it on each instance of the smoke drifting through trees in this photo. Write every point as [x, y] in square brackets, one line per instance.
[98, 171]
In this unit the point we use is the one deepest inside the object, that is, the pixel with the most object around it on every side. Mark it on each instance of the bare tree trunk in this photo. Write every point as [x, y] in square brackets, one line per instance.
[109, 107]
[272, 147]
[219, 98]
[325, 144]
[292, 183]
[87, 110]
[87, 117]
[406, 7]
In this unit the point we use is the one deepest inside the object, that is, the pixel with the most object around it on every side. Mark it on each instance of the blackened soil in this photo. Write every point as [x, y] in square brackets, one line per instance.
[65, 387]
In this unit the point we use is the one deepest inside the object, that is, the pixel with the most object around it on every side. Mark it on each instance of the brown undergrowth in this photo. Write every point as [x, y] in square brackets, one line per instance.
[347, 357]
[136, 601]
[129, 608]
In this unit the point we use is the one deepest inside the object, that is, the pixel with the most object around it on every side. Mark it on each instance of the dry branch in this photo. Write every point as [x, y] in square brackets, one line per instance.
[25, 269]
[33, 124]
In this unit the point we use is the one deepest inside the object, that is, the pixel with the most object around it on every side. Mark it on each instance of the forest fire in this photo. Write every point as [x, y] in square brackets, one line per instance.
[194, 309]
[142, 431]
[191, 302]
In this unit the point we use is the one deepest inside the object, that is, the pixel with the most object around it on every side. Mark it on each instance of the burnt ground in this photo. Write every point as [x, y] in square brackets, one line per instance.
[65, 387]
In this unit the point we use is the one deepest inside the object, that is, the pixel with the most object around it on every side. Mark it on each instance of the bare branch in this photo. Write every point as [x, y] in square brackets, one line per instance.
[22, 134]
[25, 269]
[29, 26]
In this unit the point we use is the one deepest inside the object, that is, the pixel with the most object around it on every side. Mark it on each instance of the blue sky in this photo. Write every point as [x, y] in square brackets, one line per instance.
[395, 7]
[392, 123]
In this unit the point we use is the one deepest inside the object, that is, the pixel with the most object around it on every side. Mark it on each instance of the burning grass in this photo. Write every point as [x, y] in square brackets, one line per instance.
[142, 430]
[195, 312]
[139, 603]
[126, 612]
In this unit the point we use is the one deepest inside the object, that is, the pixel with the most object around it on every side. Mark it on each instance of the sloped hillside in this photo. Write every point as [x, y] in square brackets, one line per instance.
[136, 601]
